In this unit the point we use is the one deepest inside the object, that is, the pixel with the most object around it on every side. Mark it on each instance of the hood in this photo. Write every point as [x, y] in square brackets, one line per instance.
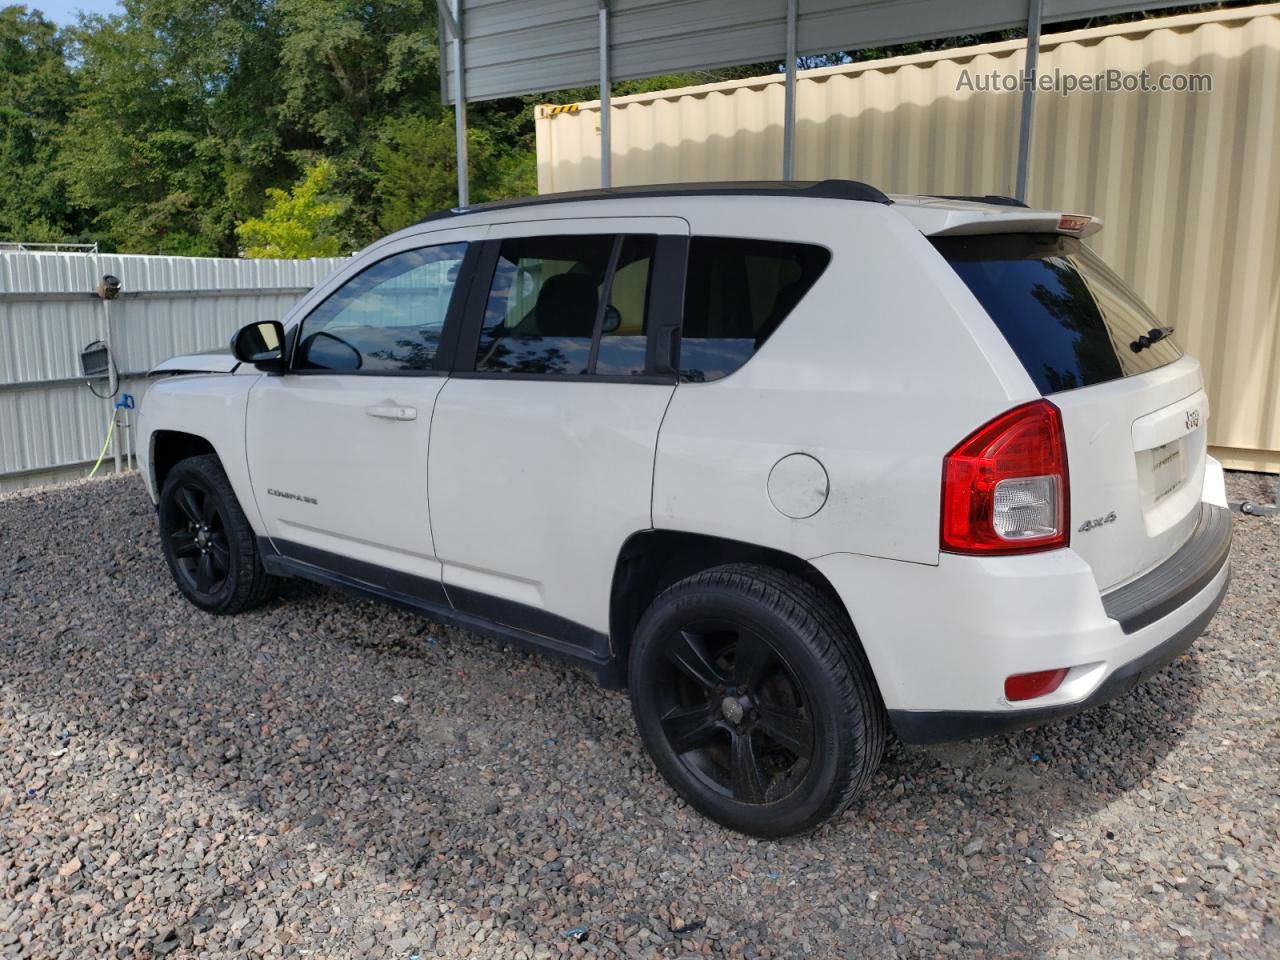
[215, 361]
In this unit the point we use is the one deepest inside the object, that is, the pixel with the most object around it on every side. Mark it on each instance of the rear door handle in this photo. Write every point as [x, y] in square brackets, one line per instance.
[392, 411]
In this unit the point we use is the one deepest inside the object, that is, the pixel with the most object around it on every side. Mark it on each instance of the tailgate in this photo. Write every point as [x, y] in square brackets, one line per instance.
[1133, 407]
[1136, 456]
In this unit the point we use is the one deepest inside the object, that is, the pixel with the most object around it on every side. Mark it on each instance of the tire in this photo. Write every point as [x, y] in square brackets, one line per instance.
[207, 541]
[755, 700]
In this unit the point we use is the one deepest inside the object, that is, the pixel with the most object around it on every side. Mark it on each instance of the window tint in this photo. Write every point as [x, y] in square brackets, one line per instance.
[386, 319]
[737, 293]
[549, 293]
[1069, 318]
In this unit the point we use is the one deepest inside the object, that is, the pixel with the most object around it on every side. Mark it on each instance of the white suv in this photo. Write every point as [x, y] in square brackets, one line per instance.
[798, 464]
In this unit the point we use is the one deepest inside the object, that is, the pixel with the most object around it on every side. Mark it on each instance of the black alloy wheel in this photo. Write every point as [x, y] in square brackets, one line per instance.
[752, 694]
[198, 539]
[207, 541]
[733, 711]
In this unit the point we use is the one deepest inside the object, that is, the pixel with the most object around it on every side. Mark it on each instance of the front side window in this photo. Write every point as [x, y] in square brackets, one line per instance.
[569, 305]
[737, 293]
[387, 319]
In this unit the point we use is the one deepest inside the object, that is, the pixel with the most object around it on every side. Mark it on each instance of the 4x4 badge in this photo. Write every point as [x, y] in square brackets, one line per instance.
[1193, 419]
[1097, 522]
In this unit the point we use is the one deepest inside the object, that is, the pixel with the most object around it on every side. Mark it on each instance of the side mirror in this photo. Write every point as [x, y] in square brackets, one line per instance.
[612, 319]
[261, 344]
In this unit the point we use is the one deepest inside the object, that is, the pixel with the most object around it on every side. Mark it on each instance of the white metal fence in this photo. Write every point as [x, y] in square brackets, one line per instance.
[51, 426]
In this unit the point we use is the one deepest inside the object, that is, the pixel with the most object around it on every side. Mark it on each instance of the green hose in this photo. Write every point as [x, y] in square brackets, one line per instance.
[106, 443]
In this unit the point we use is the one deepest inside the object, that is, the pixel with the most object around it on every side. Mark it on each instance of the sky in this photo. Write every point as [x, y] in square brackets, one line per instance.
[63, 12]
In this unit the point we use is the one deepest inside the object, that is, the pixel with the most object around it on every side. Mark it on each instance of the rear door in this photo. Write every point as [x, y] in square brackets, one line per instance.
[1133, 407]
[543, 439]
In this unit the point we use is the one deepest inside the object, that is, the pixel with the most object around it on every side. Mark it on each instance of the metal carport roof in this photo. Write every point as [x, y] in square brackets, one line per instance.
[502, 48]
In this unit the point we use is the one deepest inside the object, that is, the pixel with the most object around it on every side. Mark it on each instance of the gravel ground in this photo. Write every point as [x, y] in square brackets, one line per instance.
[328, 777]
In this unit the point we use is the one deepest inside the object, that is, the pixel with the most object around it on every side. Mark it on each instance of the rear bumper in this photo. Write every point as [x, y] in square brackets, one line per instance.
[942, 639]
[923, 727]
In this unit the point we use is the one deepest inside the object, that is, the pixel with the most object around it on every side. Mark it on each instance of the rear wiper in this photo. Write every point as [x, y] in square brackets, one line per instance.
[1154, 335]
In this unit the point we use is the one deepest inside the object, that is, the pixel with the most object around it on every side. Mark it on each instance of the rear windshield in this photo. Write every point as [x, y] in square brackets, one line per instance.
[1069, 318]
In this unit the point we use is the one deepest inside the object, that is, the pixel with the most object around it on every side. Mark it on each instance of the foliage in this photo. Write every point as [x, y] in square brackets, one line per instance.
[416, 169]
[297, 223]
[36, 90]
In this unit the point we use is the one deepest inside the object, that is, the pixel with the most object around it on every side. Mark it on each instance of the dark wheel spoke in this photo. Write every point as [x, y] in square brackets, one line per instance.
[184, 544]
[688, 728]
[787, 727]
[204, 573]
[689, 653]
[221, 557]
[750, 782]
[751, 660]
[186, 501]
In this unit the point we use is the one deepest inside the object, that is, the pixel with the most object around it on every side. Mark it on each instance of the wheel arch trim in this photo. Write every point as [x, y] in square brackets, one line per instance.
[651, 560]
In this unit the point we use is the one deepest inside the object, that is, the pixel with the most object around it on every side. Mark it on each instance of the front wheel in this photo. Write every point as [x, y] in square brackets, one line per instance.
[755, 700]
[207, 541]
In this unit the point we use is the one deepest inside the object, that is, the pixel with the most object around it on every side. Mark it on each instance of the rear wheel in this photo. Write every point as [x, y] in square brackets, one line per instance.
[755, 700]
[207, 541]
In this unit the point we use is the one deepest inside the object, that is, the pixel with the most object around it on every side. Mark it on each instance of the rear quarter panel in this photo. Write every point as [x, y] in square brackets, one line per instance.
[883, 367]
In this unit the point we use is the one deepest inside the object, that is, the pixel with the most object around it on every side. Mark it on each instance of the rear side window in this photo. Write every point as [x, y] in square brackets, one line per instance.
[570, 305]
[737, 293]
[1070, 319]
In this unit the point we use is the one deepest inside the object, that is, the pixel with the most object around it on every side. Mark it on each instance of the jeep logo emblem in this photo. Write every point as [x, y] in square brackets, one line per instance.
[1193, 419]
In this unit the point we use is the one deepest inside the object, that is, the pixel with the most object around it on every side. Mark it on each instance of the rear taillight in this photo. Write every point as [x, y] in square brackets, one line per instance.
[1004, 487]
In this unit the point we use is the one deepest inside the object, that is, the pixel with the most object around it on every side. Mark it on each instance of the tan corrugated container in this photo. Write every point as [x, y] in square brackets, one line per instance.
[1188, 183]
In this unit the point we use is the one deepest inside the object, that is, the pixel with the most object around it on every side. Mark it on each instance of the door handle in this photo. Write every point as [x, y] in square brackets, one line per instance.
[392, 411]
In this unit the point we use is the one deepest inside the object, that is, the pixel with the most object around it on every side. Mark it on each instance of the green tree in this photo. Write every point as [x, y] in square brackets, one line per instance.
[36, 91]
[416, 170]
[298, 223]
[172, 137]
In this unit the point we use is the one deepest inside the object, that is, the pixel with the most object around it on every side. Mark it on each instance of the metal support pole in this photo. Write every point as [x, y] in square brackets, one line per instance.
[606, 142]
[789, 104]
[1028, 97]
[453, 17]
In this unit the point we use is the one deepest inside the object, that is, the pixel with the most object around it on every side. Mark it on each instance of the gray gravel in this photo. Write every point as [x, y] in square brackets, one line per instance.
[332, 778]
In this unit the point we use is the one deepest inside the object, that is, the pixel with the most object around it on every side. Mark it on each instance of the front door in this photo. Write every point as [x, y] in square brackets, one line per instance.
[338, 447]
[543, 442]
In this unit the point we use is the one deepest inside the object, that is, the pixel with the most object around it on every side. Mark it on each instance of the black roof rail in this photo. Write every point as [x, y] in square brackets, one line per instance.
[821, 189]
[992, 198]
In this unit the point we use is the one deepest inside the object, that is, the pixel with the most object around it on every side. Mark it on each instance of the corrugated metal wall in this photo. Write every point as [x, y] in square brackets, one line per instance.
[50, 424]
[1188, 183]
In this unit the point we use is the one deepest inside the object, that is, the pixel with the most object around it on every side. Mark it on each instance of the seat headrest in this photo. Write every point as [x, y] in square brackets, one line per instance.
[566, 306]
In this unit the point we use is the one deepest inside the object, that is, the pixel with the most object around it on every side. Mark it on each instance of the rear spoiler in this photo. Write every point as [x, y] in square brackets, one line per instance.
[1008, 220]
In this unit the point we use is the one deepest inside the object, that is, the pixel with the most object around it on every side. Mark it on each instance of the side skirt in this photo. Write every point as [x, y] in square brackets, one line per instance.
[427, 597]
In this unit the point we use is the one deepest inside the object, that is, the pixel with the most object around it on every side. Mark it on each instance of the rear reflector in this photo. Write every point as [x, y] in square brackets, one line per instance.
[1028, 686]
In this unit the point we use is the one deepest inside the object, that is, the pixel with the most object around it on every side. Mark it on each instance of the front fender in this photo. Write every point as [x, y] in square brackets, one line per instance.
[212, 407]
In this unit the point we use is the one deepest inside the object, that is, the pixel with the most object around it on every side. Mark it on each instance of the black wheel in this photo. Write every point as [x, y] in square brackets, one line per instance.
[755, 700]
[207, 541]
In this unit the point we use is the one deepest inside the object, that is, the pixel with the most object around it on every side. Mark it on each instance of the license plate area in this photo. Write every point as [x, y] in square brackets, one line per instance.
[1168, 468]
[1165, 480]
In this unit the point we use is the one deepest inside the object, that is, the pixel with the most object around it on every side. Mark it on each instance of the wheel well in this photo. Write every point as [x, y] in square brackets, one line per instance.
[651, 561]
[169, 447]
